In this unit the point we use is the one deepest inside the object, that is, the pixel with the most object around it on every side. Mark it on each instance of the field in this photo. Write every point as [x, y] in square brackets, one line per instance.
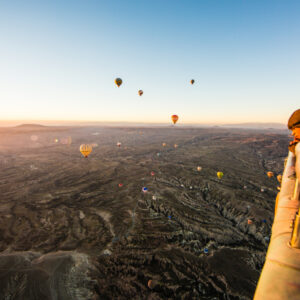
[69, 231]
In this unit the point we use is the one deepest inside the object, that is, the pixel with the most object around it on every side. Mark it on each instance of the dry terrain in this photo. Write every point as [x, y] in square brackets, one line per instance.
[68, 231]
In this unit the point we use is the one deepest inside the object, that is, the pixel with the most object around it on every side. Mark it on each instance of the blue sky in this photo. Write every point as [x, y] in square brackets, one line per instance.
[58, 60]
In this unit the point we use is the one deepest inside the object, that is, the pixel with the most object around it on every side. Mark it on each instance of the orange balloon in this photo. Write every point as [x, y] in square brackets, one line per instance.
[270, 174]
[250, 222]
[279, 178]
[174, 118]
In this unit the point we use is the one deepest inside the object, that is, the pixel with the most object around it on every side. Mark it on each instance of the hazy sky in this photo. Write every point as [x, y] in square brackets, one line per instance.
[58, 60]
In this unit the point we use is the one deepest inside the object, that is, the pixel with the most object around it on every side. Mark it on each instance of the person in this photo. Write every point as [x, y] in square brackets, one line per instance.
[294, 125]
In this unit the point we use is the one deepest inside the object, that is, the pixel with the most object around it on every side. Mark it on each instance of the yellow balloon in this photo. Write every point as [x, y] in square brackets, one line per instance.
[86, 150]
[220, 174]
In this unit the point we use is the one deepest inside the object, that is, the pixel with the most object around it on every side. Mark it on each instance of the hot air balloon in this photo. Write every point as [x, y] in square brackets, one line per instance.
[220, 174]
[199, 168]
[120, 185]
[170, 217]
[119, 144]
[270, 174]
[85, 150]
[249, 222]
[205, 250]
[140, 92]
[279, 178]
[152, 173]
[118, 81]
[164, 144]
[144, 190]
[192, 81]
[150, 284]
[174, 118]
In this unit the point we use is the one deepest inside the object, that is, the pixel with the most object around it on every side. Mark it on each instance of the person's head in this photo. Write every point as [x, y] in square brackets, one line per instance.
[296, 132]
[294, 123]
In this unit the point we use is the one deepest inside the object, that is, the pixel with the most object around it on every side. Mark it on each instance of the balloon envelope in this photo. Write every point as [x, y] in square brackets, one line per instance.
[279, 178]
[174, 118]
[140, 92]
[270, 174]
[118, 81]
[85, 150]
[192, 81]
[220, 174]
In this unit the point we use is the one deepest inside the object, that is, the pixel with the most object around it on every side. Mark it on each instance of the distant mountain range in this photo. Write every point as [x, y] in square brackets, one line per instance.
[249, 125]
[257, 125]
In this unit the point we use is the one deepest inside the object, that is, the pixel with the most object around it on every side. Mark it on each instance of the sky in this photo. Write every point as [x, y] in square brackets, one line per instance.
[59, 59]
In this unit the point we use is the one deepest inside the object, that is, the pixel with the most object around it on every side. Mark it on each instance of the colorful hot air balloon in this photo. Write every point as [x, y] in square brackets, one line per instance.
[249, 222]
[192, 81]
[270, 174]
[164, 144]
[174, 118]
[118, 81]
[279, 178]
[199, 168]
[140, 92]
[220, 174]
[85, 150]
[144, 189]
